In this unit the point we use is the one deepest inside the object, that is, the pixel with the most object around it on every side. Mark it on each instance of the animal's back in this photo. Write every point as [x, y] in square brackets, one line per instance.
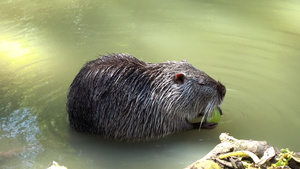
[112, 96]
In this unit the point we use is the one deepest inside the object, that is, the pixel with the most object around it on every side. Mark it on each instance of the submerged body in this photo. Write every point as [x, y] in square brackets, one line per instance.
[121, 97]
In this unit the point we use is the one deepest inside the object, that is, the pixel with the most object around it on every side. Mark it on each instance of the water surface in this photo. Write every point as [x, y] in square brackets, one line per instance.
[252, 47]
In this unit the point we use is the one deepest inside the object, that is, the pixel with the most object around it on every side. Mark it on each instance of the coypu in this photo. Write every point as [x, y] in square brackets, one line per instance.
[121, 97]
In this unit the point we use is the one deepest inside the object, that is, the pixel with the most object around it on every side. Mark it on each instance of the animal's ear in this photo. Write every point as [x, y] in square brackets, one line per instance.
[179, 78]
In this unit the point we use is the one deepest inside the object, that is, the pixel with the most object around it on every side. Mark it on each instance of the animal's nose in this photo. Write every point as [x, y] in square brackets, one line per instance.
[221, 90]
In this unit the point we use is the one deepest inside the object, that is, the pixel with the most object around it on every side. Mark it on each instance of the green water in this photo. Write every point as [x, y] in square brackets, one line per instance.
[252, 47]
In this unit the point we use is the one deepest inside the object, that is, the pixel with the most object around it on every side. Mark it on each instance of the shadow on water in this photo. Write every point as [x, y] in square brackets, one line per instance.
[168, 152]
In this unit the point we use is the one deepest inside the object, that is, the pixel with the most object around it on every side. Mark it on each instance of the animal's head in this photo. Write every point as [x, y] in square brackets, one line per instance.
[193, 92]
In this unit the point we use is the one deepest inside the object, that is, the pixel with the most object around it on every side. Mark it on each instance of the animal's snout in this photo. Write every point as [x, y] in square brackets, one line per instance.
[221, 90]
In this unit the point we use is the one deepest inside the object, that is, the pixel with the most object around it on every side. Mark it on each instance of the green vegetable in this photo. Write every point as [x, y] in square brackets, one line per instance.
[216, 116]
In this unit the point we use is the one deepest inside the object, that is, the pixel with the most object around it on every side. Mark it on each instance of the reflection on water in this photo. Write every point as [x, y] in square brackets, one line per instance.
[19, 138]
[13, 49]
[250, 46]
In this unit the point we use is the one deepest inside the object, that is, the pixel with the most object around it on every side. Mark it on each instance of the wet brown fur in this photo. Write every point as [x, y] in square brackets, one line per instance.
[121, 97]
